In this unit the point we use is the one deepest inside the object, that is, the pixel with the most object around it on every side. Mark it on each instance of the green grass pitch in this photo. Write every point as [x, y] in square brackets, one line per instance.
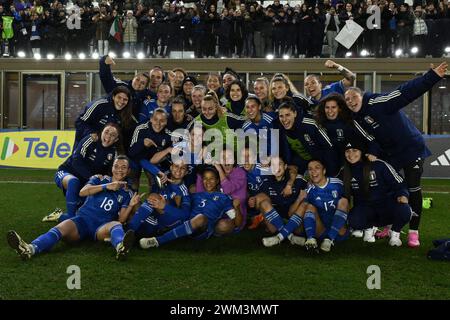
[234, 267]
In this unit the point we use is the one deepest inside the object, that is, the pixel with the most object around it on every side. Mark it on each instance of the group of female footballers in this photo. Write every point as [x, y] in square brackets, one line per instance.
[346, 162]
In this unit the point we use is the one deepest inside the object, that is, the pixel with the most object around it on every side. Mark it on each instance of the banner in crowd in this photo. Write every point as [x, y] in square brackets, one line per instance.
[438, 164]
[35, 149]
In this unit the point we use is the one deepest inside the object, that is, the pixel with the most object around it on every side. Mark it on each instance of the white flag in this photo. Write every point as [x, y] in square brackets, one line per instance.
[349, 33]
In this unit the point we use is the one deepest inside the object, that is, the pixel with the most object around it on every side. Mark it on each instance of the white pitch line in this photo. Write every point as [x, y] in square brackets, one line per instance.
[26, 182]
[439, 192]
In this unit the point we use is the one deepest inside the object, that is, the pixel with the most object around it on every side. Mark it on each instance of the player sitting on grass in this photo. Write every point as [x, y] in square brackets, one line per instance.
[324, 212]
[274, 205]
[213, 212]
[108, 198]
[91, 156]
[256, 175]
[167, 207]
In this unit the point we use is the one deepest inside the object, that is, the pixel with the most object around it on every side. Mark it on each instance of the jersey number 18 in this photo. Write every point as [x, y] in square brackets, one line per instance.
[107, 205]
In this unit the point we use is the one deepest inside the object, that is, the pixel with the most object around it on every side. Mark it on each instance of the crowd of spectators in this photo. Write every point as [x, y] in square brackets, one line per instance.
[231, 28]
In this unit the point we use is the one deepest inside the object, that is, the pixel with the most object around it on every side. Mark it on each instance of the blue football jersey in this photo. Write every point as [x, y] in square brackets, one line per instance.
[147, 108]
[273, 189]
[262, 131]
[337, 87]
[326, 199]
[105, 205]
[173, 214]
[213, 205]
[256, 178]
[266, 122]
[192, 159]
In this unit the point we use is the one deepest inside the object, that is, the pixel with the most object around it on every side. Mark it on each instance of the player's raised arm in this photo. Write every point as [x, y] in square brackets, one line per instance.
[349, 76]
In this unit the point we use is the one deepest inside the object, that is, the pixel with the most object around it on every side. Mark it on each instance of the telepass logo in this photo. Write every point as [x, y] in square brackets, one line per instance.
[9, 148]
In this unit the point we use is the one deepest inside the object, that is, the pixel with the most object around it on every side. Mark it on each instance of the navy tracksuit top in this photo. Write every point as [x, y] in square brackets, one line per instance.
[381, 116]
[384, 182]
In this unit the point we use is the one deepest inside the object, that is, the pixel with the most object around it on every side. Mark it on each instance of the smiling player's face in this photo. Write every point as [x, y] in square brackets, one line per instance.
[120, 169]
[316, 172]
[120, 100]
[178, 170]
[109, 136]
[353, 100]
[210, 181]
[353, 155]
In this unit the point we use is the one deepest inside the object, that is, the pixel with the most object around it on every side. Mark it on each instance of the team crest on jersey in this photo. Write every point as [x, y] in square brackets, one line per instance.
[369, 120]
[110, 156]
[95, 150]
[372, 175]
[307, 138]
[119, 198]
[258, 179]
[340, 133]
[172, 195]
[163, 142]
[334, 194]
[216, 198]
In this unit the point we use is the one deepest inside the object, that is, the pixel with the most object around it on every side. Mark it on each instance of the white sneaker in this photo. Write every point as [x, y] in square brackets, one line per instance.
[54, 216]
[369, 234]
[395, 241]
[357, 233]
[311, 244]
[23, 249]
[271, 241]
[146, 243]
[296, 240]
[326, 245]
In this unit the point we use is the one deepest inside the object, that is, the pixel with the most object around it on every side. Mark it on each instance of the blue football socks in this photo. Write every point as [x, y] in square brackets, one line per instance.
[310, 224]
[294, 222]
[339, 219]
[274, 219]
[181, 231]
[46, 241]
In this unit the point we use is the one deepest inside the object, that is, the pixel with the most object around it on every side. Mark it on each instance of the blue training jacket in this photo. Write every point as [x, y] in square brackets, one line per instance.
[381, 116]
[384, 182]
[109, 82]
[315, 141]
[89, 157]
[96, 114]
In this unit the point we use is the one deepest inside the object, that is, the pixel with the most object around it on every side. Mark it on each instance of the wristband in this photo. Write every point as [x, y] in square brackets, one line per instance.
[340, 68]
[104, 187]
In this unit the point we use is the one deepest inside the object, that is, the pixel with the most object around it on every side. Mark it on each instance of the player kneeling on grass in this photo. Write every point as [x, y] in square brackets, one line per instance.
[379, 194]
[276, 205]
[91, 156]
[108, 198]
[166, 207]
[323, 213]
[213, 212]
